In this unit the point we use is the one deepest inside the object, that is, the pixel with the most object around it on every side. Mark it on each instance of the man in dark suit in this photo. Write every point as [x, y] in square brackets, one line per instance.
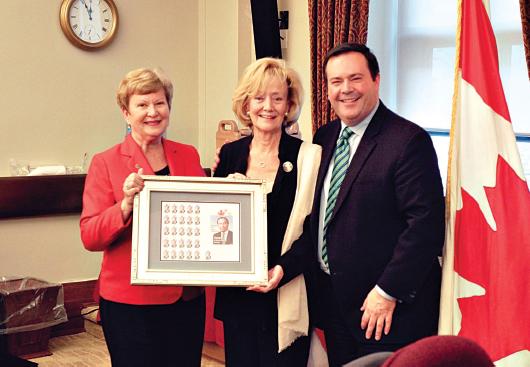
[378, 218]
[224, 236]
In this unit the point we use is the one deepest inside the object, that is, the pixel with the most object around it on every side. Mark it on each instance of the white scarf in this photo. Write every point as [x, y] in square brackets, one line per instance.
[293, 315]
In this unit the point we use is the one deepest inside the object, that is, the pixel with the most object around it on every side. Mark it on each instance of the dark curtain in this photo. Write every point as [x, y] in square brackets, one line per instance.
[525, 18]
[331, 22]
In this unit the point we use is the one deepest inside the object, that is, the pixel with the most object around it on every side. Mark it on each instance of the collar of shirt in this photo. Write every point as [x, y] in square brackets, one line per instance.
[360, 128]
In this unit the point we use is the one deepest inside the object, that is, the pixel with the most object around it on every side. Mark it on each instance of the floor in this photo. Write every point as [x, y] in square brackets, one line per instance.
[88, 349]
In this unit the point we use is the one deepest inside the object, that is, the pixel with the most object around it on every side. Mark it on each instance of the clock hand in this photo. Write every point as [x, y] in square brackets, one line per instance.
[86, 7]
[90, 11]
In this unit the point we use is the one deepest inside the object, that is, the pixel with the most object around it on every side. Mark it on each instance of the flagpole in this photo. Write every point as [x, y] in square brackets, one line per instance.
[447, 298]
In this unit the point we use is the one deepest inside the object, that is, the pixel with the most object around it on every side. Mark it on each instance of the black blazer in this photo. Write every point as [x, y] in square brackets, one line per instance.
[387, 227]
[237, 302]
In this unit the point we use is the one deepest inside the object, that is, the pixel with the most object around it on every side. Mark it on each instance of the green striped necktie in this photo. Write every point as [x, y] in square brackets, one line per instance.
[340, 165]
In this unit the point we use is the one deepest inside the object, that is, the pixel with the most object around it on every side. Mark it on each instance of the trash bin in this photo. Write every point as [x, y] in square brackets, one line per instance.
[29, 307]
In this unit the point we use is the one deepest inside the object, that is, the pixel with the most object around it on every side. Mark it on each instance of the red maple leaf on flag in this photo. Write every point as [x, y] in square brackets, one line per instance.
[498, 261]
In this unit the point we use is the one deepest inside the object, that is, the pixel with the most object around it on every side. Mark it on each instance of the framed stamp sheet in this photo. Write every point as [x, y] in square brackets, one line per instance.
[200, 231]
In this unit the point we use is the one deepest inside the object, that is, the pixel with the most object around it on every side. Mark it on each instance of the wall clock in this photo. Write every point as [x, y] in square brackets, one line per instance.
[89, 24]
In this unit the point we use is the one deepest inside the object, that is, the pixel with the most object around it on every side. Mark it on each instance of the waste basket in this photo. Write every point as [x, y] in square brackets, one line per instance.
[29, 307]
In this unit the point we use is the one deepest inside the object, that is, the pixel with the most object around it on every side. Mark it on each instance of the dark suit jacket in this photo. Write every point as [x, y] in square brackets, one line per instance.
[237, 303]
[387, 227]
[218, 236]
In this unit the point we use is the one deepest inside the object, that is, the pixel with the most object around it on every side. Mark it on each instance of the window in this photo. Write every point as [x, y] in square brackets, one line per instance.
[414, 41]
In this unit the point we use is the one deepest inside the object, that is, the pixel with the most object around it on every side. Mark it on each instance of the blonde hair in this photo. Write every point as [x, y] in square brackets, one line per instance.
[254, 79]
[143, 81]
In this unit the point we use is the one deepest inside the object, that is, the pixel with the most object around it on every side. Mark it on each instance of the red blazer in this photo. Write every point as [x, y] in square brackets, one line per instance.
[102, 227]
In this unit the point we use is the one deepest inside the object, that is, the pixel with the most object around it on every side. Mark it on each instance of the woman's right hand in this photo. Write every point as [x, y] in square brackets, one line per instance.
[237, 176]
[132, 185]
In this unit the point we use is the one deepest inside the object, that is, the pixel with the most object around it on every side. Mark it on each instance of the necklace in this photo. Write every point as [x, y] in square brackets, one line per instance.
[263, 159]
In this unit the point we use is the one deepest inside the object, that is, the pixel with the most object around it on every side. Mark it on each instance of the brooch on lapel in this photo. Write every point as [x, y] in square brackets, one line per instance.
[287, 167]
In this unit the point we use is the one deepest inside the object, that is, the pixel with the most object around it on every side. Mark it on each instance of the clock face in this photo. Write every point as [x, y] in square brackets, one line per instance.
[89, 24]
[90, 20]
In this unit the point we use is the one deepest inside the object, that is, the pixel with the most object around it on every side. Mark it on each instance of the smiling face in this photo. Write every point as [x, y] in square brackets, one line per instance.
[148, 115]
[352, 92]
[268, 107]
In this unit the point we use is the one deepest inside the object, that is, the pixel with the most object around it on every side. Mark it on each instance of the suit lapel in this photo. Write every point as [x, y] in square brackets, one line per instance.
[328, 141]
[286, 153]
[366, 146]
[361, 155]
[176, 164]
[328, 149]
[134, 156]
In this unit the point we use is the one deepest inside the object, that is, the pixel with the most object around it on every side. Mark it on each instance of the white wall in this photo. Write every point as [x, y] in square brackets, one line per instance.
[297, 55]
[48, 248]
[225, 49]
[58, 102]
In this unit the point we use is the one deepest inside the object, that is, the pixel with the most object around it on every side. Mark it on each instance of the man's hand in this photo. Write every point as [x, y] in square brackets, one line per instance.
[377, 314]
[275, 276]
[216, 160]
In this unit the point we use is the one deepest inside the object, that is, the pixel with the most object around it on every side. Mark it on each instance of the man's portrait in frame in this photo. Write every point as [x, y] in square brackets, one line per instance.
[225, 236]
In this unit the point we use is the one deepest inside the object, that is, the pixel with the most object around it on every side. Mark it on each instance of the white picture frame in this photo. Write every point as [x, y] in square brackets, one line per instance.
[200, 231]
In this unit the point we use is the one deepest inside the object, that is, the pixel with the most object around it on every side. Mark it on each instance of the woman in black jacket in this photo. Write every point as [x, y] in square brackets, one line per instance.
[268, 98]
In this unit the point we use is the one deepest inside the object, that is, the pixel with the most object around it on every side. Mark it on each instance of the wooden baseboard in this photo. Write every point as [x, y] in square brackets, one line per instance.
[77, 295]
[213, 351]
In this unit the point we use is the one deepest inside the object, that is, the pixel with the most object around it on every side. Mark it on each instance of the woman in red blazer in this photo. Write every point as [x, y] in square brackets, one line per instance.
[143, 325]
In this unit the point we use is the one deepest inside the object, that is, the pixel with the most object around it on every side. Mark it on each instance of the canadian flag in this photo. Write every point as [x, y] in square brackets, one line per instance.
[486, 265]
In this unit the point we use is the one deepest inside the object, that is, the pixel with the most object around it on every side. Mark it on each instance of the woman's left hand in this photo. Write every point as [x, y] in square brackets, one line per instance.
[275, 276]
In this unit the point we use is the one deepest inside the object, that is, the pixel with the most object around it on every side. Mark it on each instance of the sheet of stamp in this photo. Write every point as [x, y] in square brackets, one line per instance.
[194, 231]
